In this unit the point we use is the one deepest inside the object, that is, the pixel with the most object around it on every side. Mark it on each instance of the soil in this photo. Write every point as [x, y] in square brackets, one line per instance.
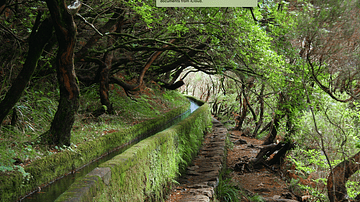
[268, 182]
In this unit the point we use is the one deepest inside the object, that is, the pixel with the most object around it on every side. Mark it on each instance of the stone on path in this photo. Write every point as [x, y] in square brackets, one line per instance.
[202, 177]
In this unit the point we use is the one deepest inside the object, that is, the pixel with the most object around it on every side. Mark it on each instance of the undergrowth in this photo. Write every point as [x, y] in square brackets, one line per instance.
[19, 144]
[226, 191]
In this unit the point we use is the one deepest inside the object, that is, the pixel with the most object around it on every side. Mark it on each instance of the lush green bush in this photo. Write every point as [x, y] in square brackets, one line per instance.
[333, 140]
[226, 191]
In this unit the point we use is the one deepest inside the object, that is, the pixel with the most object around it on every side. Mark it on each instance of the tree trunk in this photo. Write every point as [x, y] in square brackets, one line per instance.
[249, 106]
[268, 150]
[60, 130]
[242, 117]
[275, 124]
[266, 127]
[104, 84]
[280, 155]
[104, 80]
[118, 16]
[260, 121]
[3, 2]
[264, 153]
[273, 130]
[339, 176]
[37, 43]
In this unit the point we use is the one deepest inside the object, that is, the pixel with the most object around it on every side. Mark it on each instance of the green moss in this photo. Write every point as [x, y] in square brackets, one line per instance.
[83, 189]
[138, 174]
[44, 170]
[142, 172]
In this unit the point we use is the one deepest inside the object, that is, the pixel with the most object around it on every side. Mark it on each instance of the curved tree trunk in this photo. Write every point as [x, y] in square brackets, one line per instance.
[273, 130]
[263, 156]
[339, 176]
[241, 118]
[37, 42]
[104, 80]
[128, 87]
[260, 121]
[275, 123]
[60, 130]
[104, 83]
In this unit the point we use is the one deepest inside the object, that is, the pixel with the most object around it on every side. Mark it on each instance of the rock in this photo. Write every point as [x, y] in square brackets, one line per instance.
[198, 198]
[276, 197]
[199, 186]
[202, 176]
[240, 141]
[103, 173]
[232, 136]
[209, 192]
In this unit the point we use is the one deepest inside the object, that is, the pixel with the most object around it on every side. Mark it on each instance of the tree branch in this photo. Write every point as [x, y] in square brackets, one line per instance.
[324, 88]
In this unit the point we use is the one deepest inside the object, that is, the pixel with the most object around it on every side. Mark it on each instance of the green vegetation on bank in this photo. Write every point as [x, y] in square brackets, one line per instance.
[145, 171]
[90, 140]
[226, 190]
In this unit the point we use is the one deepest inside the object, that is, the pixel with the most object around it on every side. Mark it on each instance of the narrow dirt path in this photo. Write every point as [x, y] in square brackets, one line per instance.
[202, 177]
[267, 182]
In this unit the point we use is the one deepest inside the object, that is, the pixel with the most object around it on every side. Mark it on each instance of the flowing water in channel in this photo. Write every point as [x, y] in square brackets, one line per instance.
[54, 190]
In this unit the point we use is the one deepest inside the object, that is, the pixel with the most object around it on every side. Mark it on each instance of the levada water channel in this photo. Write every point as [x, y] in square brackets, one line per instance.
[55, 189]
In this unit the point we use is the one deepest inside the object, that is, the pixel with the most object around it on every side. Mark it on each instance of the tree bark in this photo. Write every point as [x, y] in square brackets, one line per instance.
[128, 87]
[37, 43]
[268, 150]
[182, 59]
[60, 130]
[104, 77]
[118, 16]
[339, 176]
[264, 153]
[173, 86]
[273, 130]
[249, 106]
[280, 155]
[266, 127]
[242, 117]
[260, 121]
[104, 83]
[275, 124]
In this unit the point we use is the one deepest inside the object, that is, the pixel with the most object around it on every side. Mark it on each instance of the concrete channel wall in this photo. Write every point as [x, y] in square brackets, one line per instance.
[13, 186]
[146, 169]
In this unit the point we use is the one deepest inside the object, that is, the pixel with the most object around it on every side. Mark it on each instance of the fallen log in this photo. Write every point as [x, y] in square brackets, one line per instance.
[271, 154]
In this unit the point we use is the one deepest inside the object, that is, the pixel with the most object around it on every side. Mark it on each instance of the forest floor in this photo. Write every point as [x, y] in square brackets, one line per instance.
[269, 183]
[256, 185]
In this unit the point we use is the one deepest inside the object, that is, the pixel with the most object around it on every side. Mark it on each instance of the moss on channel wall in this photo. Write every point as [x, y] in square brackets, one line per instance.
[42, 171]
[142, 172]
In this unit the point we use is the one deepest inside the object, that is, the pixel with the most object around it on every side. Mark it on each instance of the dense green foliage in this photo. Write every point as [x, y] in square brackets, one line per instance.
[286, 70]
[97, 141]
